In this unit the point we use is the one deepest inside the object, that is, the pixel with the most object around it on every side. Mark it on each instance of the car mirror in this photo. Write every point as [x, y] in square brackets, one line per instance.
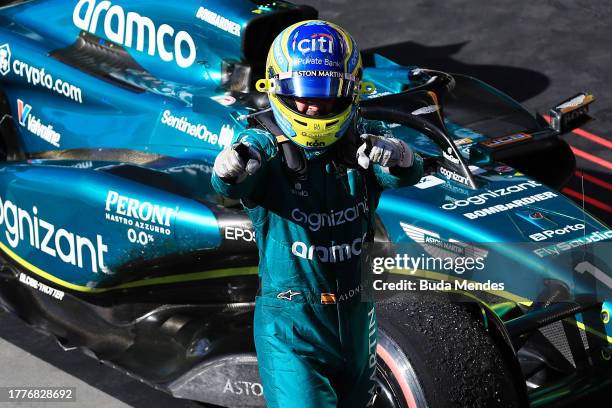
[571, 113]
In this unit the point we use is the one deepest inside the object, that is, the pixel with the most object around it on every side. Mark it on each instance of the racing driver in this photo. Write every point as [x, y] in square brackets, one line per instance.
[309, 176]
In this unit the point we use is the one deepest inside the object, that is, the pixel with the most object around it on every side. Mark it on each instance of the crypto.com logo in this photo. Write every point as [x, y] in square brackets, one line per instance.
[5, 59]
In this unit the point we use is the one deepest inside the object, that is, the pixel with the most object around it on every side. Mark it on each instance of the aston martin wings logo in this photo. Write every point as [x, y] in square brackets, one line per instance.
[435, 246]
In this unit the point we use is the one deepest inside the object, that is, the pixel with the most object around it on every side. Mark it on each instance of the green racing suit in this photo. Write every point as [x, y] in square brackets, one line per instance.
[315, 337]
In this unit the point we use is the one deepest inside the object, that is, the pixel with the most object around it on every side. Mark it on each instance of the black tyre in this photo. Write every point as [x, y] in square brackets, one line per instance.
[435, 354]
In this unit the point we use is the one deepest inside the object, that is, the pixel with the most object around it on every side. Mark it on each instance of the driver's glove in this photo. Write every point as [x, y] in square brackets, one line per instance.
[386, 151]
[235, 162]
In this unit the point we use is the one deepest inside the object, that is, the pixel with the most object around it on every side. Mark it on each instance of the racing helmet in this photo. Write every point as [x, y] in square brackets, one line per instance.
[313, 59]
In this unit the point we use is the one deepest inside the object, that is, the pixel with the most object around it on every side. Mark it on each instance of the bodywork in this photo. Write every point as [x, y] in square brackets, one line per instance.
[114, 241]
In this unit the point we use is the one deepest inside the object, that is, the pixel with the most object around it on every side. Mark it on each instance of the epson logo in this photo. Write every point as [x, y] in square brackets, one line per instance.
[130, 29]
[541, 236]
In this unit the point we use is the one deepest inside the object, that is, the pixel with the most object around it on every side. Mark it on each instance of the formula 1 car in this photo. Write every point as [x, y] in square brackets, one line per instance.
[113, 241]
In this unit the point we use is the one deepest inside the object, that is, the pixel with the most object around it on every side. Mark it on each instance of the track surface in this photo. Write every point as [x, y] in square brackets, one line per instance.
[538, 52]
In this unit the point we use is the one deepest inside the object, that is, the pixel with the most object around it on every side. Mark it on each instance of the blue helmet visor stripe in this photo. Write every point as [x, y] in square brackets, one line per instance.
[315, 87]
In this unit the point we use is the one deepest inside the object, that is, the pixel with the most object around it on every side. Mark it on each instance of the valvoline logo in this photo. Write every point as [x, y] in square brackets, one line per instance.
[35, 126]
[23, 111]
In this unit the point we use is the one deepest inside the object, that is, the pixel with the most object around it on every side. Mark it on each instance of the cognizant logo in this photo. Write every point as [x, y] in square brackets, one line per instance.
[314, 221]
[56, 242]
[482, 198]
[332, 254]
[131, 29]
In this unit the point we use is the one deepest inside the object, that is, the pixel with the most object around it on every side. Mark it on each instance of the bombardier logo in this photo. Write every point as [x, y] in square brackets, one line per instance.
[5, 59]
[135, 31]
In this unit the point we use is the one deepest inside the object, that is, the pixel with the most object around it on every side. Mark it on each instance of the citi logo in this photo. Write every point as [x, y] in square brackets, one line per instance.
[321, 42]
[134, 31]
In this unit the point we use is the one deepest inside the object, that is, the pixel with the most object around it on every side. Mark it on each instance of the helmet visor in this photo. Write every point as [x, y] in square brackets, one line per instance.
[304, 86]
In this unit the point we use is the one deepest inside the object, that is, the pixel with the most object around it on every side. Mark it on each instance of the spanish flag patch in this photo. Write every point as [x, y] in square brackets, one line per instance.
[328, 298]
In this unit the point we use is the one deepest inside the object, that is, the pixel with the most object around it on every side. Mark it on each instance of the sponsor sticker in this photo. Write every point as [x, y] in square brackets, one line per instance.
[218, 21]
[133, 30]
[440, 247]
[198, 130]
[225, 100]
[482, 198]
[328, 254]
[503, 169]
[27, 120]
[450, 156]
[318, 42]
[37, 76]
[451, 175]
[238, 233]
[287, 295]
[143, 217]
[245, 388]
[47, 290]
[332, 218]
[504, 140]
[559, 248]
[544, 235]
[464, 141]
[5, 59]
[23, 225]
[429, 181]
[509, 205]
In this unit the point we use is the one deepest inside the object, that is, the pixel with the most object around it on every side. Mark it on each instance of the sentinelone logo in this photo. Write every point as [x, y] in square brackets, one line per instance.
[129, 28]
[35, 126]
[199, 131]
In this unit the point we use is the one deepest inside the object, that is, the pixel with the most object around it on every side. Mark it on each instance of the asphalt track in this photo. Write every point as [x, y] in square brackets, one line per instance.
[538, 52]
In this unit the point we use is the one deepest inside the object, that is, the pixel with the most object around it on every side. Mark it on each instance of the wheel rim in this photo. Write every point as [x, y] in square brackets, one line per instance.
[398, 384]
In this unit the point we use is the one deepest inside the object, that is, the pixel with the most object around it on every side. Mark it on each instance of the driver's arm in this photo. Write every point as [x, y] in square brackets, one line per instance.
[396, 176]
[264, 144]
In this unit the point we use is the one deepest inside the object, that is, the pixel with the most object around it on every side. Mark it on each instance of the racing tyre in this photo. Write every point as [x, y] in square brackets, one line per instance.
[435, 354]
